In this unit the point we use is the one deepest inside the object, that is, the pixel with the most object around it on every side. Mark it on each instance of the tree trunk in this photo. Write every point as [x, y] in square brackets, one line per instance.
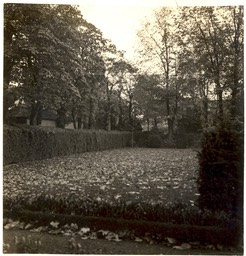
[148, 124]
[85, 122]
[74, 115]
[220, 103]
[79, 122]
[91, 117]
[130, 111]
[39, 114]
[120, 125]
[61, 120]
[8, 65]
[155, 124]
[170, 128]
[33, 115]
[204, 111]
[36, 113]
[5, 108]
[108, 116]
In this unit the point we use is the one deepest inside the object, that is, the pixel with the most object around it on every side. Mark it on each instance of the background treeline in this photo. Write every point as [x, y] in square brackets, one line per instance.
[191, 73]
[55, 60]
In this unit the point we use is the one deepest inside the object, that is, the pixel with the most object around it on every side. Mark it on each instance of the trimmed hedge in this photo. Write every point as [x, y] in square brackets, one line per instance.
[27, 143]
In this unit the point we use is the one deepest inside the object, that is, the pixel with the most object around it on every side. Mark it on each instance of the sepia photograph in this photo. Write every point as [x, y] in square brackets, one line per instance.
[123, 127]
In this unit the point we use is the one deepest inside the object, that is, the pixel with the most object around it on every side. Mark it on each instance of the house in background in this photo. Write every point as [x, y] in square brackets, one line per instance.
[21, 115]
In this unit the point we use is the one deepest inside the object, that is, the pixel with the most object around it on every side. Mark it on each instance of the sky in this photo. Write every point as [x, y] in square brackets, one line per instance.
[119, 23]
[119, 20]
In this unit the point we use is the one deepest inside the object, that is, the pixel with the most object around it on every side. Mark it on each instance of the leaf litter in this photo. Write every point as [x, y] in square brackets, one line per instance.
[136, 174]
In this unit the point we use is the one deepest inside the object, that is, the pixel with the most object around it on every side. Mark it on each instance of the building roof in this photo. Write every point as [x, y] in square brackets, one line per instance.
[24, 111]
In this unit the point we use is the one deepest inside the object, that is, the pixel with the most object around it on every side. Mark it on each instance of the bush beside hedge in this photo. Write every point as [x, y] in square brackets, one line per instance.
[159, 140]
[26, 143]
[221, 171]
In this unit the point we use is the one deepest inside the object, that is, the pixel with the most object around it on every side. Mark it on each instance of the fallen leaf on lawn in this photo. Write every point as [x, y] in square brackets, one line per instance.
[171, 240]
[220, 247]
[137, 239]
[111, 236]
[54, 224]
[74, 226]
[72, 243]
[99, 199]
[134, 192]
[84, 237]
[56, 232]
[67, 234]
[16, 239]
[122, 233]
[39, 229]
[22, 225]
[117, 197]
[6, 247]
[11, 225]
[210, 247]
[93, 235]
[102, 233]
[85, 230]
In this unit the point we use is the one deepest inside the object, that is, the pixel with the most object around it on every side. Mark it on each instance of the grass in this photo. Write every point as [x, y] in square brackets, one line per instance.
[133, 183]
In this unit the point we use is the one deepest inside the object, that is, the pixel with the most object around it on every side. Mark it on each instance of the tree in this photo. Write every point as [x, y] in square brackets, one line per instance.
[120, 81]
[159, 42]
[149, 97]
[216, 37]
[43, 75]
[235, 36]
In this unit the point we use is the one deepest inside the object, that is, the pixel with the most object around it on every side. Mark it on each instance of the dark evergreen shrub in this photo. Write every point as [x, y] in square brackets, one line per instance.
[221, 173]
[154, 141]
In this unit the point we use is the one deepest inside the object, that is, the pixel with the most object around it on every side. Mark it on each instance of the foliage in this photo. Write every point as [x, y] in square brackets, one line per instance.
[193, 47]
[154, 141]
[26, 143]
[55, 59]
[41, 45]
[177, 213]
[149, 96]
[221, 172]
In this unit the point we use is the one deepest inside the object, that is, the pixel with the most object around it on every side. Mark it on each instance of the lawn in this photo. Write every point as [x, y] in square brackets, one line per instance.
[164, 176]
[130, 183]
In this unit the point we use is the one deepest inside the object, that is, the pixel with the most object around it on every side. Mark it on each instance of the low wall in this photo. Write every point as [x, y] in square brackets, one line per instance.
[26, 143]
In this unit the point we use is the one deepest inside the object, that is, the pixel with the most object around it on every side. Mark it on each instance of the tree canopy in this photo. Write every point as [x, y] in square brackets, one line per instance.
[55, 60]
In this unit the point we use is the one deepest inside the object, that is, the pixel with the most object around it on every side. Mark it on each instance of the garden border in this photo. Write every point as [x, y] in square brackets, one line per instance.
[185, 233]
